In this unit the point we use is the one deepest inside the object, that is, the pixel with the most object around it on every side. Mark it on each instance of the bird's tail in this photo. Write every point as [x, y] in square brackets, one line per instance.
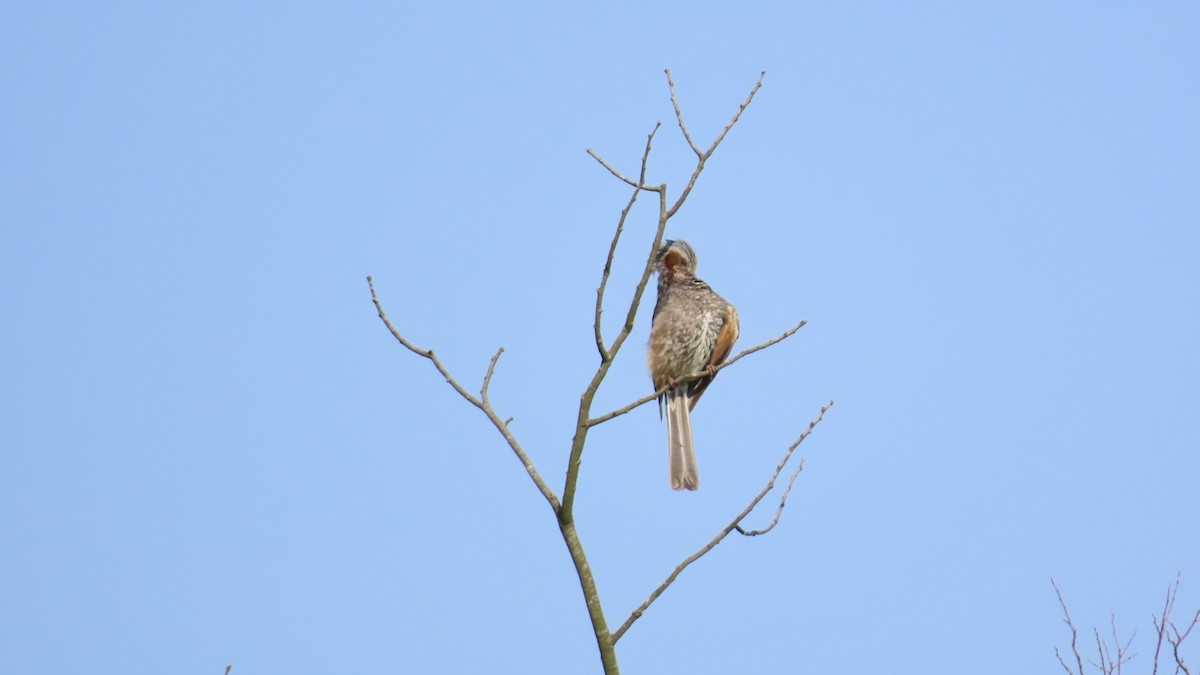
[684, 475]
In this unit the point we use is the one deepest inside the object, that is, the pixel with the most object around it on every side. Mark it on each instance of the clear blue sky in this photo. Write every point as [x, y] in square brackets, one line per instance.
[212, 452]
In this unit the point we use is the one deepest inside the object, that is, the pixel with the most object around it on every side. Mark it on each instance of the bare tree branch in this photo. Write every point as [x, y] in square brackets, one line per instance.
[585, 400]
[679, 114]
[564, 510]
[482, 403]
[1123, 655]
[1161, 626]
[703, 156]
[640, 184]
[734, 524]
[1110, 664]
[1169, 632]
[1102, 651]
[1074, 634]
[1064, 663]
[578, 441]
[695, 376]
[487, 380]
[782, 500]
[612, 248]
[640, 289]
[1177, 641]
[779, 469]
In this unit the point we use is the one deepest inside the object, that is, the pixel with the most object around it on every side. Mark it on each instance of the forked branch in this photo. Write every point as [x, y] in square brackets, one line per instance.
[605, 354]
[735, 524]
[1168, 631]
[481, 402]
[1074, 636]
[779, 469]
[702, 157]
[1112, 664]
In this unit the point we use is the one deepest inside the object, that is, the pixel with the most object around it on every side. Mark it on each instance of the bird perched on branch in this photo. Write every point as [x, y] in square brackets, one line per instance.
[693, 330]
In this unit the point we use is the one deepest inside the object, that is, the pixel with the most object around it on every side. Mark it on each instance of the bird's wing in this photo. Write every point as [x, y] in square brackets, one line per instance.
[726, 336]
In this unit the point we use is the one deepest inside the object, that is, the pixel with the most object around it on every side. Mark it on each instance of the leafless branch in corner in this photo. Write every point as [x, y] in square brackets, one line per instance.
[1170, 633]
[1074, 635]
[1109, 663]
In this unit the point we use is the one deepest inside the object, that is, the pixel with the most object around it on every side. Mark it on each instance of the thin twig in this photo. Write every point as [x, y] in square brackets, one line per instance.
[637, 613]
[1170, 632]
[639, 185]
[1178, 641]
[703, 156]
[779, 469]
[575, 458]
[605, 355]
[1102, 650]
[695, 376]
[638, 291]
[1074, 633]
[1161, 627]
[741, 109]
[782, 503]
[487, 378]
[1064, 663]
[1123, 655]
[783, 500]
[483, 404]
[1109, 665]
[679, 115]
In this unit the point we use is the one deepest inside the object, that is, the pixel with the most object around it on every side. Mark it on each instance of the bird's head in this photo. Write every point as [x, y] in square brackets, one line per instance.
[676, 258]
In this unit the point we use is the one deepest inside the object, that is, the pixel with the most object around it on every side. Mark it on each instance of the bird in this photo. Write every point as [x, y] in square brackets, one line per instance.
[692, 329]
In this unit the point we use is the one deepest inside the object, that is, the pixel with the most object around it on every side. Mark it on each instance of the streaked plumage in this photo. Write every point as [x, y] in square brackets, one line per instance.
[693, 328]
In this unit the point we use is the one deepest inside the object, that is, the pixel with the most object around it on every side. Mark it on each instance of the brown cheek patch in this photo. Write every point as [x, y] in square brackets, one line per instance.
[672, 259]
